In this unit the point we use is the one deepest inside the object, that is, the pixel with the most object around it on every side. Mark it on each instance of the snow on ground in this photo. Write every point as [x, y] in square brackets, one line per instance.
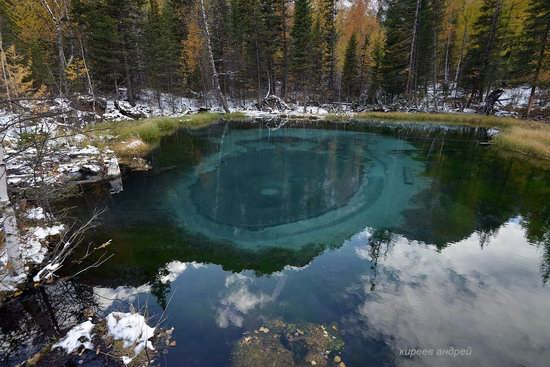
[516, 97]
[34, 241]
[132, 330]
[79, 336]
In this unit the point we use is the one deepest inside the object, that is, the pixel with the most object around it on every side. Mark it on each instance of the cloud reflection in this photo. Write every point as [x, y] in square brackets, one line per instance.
[490, 299]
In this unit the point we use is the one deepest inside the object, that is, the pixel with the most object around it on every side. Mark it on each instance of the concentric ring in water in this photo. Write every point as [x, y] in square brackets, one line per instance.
[292, 187]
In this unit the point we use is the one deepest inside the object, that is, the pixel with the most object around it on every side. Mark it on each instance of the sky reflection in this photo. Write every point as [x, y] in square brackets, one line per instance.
[489, 298]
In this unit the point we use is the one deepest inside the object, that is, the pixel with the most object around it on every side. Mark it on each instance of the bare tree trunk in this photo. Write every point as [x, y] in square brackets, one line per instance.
[461, 57]
[285, 53]
[258, 75]
[536, 77]
[412, 49]
[56, 19]
[435, 30]
[13, 248]
[128, 76]
[88, 77]
[305, 101]
[4, 72]
[215, 77]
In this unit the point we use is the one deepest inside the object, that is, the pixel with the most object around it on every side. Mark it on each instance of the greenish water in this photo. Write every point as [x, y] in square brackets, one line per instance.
[405, 237]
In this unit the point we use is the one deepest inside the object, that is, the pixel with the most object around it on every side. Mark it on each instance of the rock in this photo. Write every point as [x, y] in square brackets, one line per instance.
[113, 169]
[337, 359]
[287, 345]
[342, 364]
[133, 112]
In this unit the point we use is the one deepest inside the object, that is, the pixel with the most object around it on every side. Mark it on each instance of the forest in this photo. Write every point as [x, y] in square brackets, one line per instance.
[425, 53]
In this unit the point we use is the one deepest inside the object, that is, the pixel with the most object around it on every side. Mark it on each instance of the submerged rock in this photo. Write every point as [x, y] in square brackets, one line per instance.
[288, 345]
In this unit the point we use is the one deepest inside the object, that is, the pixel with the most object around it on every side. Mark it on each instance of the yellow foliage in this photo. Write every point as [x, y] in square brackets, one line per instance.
[32, 21]
[75, 70]
[192, 48]
[17, 77]
[358, 19]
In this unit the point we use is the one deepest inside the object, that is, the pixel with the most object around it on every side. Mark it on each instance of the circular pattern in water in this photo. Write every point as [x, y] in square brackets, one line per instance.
[293, 187]
[271, 187]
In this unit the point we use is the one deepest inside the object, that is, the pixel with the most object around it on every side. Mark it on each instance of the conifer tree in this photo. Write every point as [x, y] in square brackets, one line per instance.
[397, 55]
[15, 77]
[533, 58]
[482, 58]
[317, 55]
[376, 75]
[328, 26]
[301, 61]
[350, 72]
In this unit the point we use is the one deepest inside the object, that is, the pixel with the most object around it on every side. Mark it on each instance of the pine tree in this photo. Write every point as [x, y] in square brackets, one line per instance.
[25, 24]
[534, 55]
[328, 26]
[376, 75]
[282, 54]
[483, 57]
[301, 55]
[317, 55]
[398, 56]
[350, 72]
[190, 58]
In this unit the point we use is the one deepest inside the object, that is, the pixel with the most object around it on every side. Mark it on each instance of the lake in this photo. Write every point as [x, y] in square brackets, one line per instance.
[405, 237]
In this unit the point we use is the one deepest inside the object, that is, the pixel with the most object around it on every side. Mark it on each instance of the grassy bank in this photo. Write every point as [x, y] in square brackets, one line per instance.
[526, 139]
[131, 139]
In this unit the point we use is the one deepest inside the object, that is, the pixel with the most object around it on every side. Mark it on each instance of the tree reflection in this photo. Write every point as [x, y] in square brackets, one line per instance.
[39, 316]
[379, 239]
[537, 228]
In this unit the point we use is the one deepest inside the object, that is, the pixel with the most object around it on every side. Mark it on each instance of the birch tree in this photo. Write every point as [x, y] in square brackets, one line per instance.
[215, 76]
[11, 232]
[58, 14]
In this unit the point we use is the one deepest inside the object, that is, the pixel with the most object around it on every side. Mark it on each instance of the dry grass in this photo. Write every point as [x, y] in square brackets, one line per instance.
[526, 139]
[462, 119]
[138, 138]
[532, 141]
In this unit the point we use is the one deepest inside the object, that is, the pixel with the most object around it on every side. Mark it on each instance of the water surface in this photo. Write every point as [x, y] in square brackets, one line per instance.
[406, 237]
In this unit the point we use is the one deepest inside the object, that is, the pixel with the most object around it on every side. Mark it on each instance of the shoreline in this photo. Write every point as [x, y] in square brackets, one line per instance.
[524, 139]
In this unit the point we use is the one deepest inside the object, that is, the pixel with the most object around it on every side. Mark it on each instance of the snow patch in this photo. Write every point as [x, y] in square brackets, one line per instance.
[36, 214]
[79, 336]
[43, 232]
[132, 329]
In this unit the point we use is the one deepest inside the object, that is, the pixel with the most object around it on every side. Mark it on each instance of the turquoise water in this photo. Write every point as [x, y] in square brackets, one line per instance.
[405, 237]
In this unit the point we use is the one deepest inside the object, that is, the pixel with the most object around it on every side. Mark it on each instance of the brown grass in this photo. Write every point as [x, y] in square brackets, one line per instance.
[526, 139]
[150, 131]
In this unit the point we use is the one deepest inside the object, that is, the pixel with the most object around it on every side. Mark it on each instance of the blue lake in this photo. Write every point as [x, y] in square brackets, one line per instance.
[405, 237]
